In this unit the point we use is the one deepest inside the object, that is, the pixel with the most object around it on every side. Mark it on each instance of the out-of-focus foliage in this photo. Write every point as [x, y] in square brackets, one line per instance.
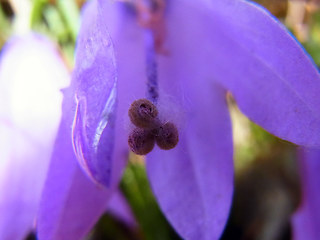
[109, 227]
[276, 7]
[5, 15]
[313, 43]
[58, 19]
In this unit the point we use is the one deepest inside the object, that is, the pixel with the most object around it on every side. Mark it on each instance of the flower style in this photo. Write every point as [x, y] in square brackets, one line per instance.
[307, 219]
[211, 47]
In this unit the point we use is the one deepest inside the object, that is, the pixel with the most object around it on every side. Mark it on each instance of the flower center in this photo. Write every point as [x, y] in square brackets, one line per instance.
[151, 16]
[149, 129]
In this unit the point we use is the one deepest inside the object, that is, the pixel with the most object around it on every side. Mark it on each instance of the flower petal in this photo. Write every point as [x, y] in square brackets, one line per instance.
[130, 54]
[306, 220]
[129, 48]
[67, 189]
[28, 121]
[244, 48]
[95, 83]
[70, 203]
[278, 86]
[194, 181]
[100, 137]
[119, 207]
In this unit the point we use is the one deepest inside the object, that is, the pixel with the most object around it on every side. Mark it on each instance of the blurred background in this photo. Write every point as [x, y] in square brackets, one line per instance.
[267, 189]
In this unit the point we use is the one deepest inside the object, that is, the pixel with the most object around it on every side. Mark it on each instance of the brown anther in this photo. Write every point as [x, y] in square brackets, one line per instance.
[167, 136]
[141, 141]
[143, 113]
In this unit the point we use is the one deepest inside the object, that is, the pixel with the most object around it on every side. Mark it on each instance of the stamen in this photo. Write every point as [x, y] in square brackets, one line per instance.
[143, 113]
[141, 141]
[149, 129]
[167, 136]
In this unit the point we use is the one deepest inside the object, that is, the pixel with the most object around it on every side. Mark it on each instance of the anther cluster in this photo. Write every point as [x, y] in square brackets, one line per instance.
[149, 129]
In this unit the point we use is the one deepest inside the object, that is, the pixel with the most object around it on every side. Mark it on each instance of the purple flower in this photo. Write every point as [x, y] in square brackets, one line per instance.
[32, 74]
[306, 220]
[210, 47]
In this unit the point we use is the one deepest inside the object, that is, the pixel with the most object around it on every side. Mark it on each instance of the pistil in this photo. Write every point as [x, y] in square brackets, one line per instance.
[151, 18]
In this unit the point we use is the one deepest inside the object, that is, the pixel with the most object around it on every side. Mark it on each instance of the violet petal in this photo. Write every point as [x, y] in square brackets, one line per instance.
[29, 117]
[67, 189]
[306, 220]
[129, 48]
[273, 80]
[193, 182]
[109, 152]
[249, 52]
[71, 203]
[119, 207]
[95, 83]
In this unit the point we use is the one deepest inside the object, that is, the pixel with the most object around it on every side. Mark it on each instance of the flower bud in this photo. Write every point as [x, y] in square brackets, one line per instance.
[167, 136]
[141, 141]
[143, 113]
